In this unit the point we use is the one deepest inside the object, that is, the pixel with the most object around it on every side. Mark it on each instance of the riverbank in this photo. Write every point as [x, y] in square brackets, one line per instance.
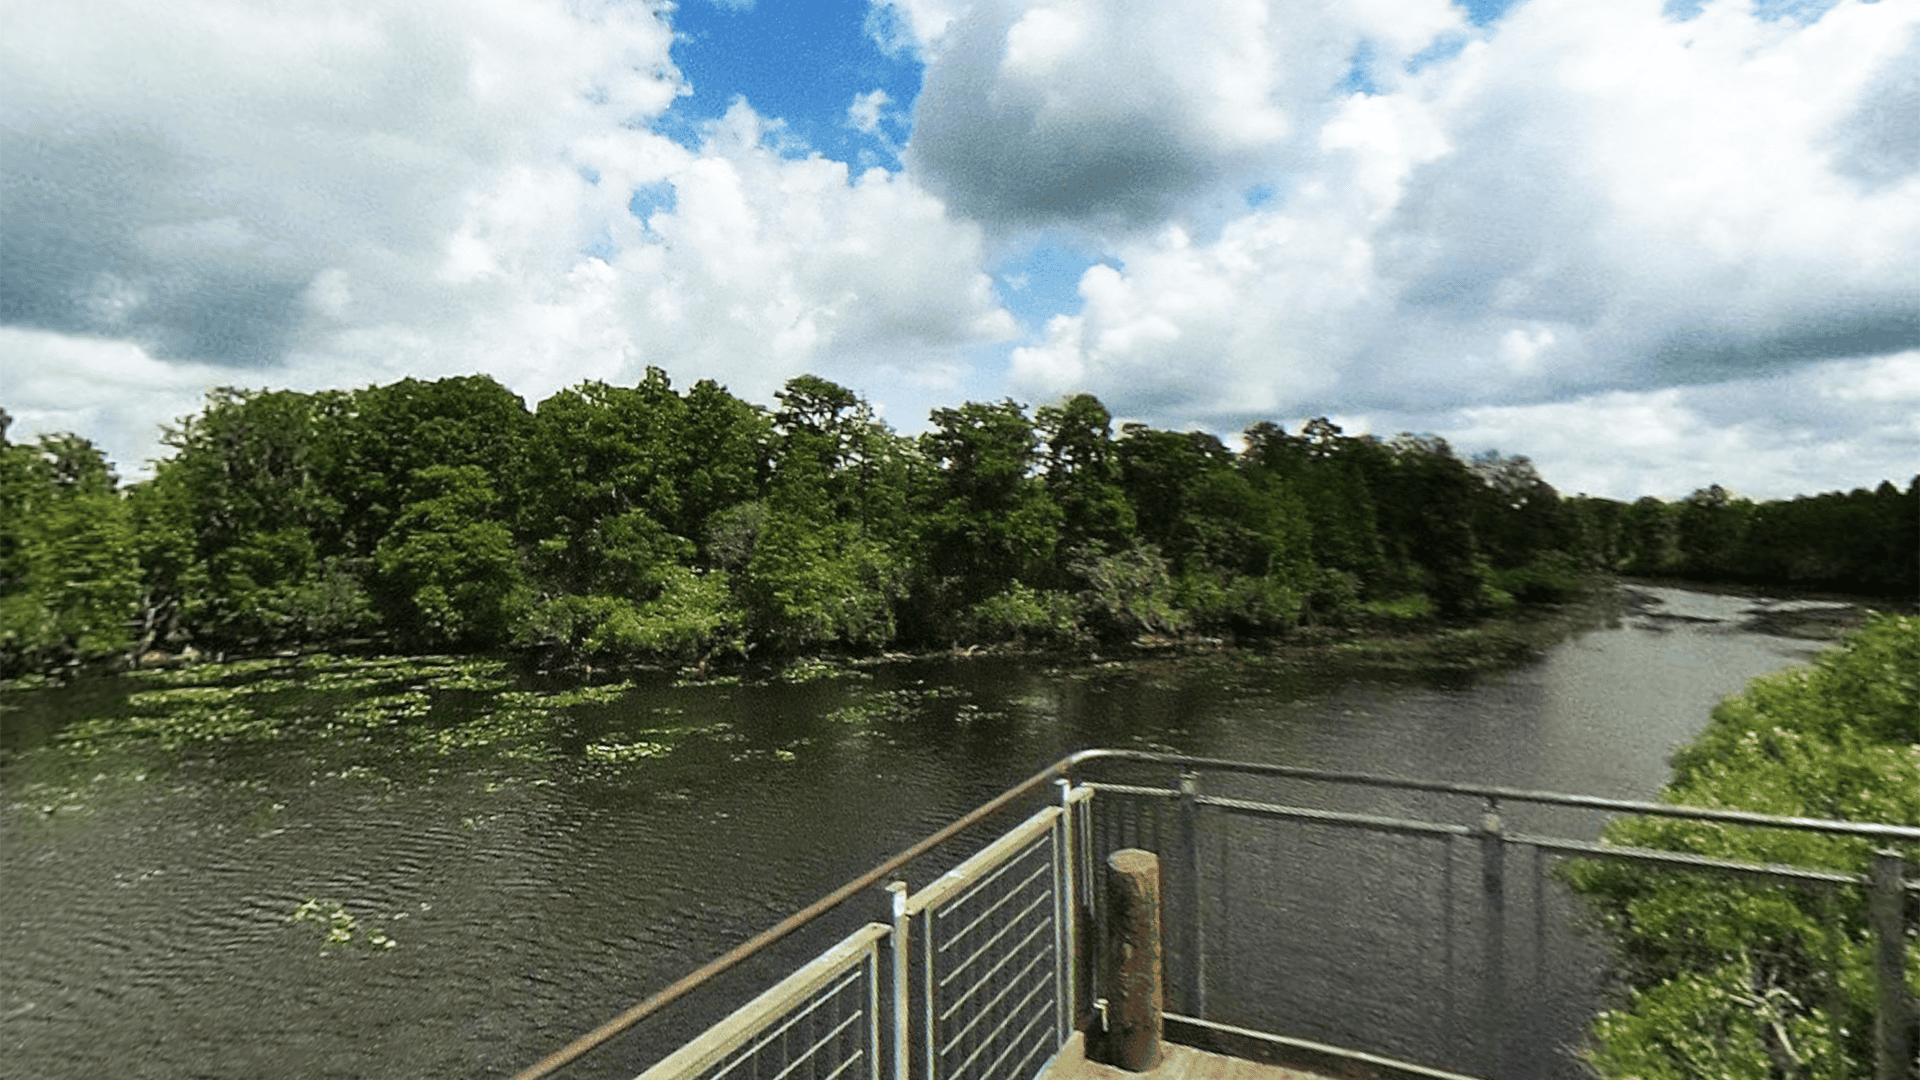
[1379, 642]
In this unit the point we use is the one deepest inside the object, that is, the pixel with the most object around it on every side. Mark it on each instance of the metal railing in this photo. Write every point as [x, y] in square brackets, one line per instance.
[1328, 947]
[994, 957]
[1439, 933]
[822, 1022]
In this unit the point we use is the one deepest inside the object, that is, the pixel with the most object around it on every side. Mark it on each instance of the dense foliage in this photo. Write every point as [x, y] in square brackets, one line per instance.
[1860, 541]
[68, 577]
[645, 522]
[1728, 980]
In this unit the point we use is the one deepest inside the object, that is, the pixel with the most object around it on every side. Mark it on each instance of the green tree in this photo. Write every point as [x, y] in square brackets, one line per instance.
[865, 472]
[1730, 979]
[1426, 498]
[1652, 537]
[1323, 469]
[1082, 472]
[370, 443]
[238, 515]
[448, 568]
[729, 444]
[990, 521]
[813, 579]
[1713, 529]
[612, 464]
[827, 551]
[68, 580]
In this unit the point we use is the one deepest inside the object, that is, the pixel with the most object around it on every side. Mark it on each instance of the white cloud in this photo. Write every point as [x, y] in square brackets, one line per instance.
[1114, 114]
[865, 112]
[347, 195]
[1835, 425]
[1594, 221]
[918, 27]
[1594, 198]
[109, 391]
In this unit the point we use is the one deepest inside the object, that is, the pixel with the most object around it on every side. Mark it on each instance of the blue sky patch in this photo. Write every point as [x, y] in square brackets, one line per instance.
[1444, 48]
[803, 61]
[1359, 78]
[1043, 280]
[1482, 12]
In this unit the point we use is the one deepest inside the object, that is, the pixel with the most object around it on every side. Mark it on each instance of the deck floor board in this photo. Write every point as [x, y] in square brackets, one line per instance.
[1177, 1063]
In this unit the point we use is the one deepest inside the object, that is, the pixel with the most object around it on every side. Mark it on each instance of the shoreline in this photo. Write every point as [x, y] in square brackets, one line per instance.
[1376, 644]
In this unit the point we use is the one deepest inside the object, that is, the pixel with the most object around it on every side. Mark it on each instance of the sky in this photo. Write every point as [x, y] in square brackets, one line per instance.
[1651, 245]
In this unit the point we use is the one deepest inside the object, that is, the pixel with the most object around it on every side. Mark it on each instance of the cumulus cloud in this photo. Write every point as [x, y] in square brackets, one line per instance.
[220, 154]
[1115, 114]
[865, 112]
[124, 393]
[231, 192]
[1691, 229]
[1770, 437]
[1594, 198]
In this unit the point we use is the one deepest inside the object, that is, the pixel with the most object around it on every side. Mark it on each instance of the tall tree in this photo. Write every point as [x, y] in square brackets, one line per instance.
[1427, 497]
[1082, 471]
[991, 522]
[68, 580]
[1323, 467]
[1713, 528]
[242, 493]
[827, 553]
[371, 443]
[612, 464]
[448, 565]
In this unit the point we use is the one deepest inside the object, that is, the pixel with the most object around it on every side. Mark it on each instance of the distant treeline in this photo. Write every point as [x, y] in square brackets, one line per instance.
[645, 523]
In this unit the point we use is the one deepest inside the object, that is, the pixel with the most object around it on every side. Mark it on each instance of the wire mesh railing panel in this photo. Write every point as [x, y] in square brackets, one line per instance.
[826, 1038]
[993, 959]
[820, 1023]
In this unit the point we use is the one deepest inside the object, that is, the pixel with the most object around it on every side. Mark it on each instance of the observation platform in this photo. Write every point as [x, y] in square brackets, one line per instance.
[1018, 946]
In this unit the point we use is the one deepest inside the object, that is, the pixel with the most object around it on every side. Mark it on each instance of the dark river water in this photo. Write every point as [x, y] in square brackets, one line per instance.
[324, 868]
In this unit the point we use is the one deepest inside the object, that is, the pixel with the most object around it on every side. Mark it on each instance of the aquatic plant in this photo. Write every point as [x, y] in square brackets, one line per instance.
[339, 923]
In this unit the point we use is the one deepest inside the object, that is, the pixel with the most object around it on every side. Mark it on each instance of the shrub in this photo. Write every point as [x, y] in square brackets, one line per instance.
[1731, 980]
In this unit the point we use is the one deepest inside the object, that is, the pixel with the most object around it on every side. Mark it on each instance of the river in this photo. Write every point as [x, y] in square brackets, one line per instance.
[320, 867]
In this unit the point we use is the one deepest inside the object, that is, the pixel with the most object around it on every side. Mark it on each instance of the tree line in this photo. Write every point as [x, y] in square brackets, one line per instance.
[644, 522]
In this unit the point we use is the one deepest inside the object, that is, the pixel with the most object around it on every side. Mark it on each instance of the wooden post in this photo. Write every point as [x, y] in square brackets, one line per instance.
[1893, 1049]
[1127, 1033]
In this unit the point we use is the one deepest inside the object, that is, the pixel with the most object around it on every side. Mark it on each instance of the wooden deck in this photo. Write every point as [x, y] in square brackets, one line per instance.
[1176, 1063]
[1204, 1050]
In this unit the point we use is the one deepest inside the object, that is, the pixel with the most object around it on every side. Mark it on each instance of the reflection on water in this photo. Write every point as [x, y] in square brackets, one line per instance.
[539, 859]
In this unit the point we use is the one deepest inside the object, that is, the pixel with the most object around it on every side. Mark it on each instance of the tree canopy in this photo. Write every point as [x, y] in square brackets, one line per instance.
[648, 522]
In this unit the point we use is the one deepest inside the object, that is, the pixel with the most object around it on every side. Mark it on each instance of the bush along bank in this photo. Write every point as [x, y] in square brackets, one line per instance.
[1731, 980]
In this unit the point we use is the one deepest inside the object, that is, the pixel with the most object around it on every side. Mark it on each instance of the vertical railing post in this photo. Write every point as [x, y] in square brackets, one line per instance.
[1493, 855]
[902, 1018]
[1067, 963]
[928, 1000]
[1193, 959]
[873, 1010]
[1893, 1047]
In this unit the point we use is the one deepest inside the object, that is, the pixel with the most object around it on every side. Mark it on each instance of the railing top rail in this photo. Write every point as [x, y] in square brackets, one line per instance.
[1066, 767]
[606, 1032]
[1865, 829]
[727, 1036]
[943, 888]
